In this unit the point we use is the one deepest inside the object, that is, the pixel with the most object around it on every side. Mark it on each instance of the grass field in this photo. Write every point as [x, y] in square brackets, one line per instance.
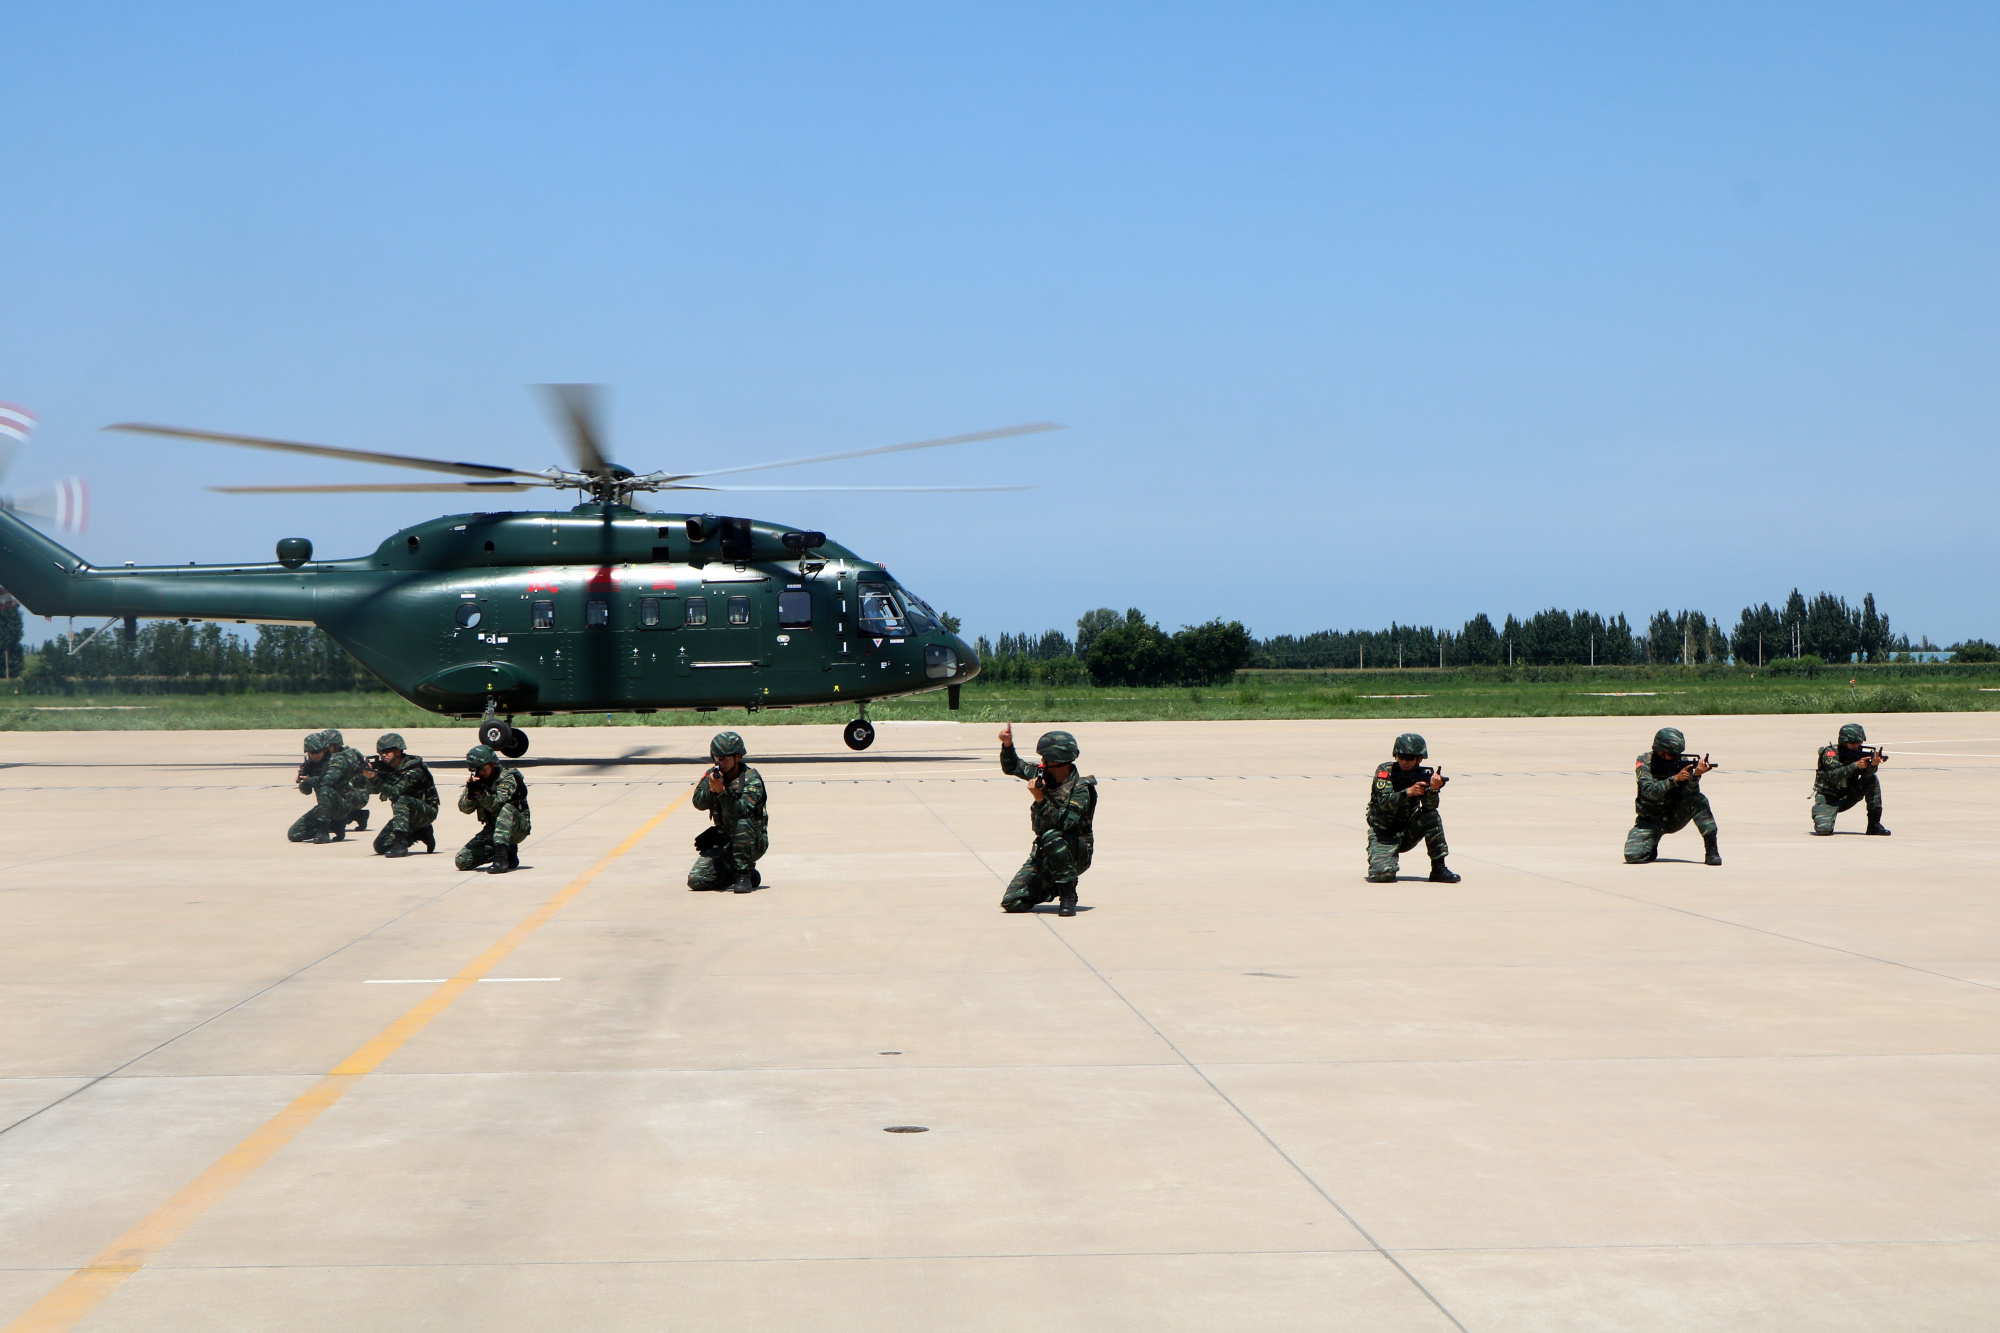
[1415, 693]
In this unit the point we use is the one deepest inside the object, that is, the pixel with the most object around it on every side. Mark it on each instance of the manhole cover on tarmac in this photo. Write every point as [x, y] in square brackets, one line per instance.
[906, 1129]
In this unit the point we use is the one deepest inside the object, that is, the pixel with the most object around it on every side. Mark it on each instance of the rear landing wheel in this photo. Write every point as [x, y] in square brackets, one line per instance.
[516, 743]
[859, 734]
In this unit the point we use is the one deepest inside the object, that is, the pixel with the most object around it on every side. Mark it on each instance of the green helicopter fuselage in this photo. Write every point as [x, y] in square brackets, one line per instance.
[601, 608]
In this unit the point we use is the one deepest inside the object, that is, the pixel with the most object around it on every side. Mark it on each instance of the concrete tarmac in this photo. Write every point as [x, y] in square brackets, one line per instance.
[251, 1085]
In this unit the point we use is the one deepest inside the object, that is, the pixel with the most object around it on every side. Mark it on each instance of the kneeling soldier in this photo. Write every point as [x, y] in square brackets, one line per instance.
[739, 832]
[1065, 802]
[1845, 779]
[499, 796]
[1403, 811]
[333, 776]
[404, 781]
[1669, 799]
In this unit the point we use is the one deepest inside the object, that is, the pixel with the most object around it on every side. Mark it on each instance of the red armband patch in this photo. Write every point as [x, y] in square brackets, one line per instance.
[1829, 754]
[1381, 772]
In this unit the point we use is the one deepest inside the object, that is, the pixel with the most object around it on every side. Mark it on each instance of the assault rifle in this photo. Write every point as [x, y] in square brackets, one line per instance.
[1688, 761]
[1416, 775]
[1875, 752]
[305, 772]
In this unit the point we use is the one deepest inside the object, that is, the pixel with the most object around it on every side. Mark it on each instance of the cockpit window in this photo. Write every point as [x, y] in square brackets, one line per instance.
[922, 619]
[879, 615]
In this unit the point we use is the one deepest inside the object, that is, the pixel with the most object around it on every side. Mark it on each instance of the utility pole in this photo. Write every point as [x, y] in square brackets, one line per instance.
[1593, 650]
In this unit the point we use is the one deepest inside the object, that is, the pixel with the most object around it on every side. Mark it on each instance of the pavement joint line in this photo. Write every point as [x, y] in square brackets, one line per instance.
[88, 1287]
[1227, 1100]
[219, 1014]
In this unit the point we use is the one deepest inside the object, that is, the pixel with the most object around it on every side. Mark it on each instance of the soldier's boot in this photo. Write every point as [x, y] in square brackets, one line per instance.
[1876, 827]
[1067, 902]
[322, 837]
[1443, 874]
[1386, 878]
[428, 839]
[1822, 832]
[398, 847]
[1714, 857]
[504, 859]
[746, 882]
[361, 822]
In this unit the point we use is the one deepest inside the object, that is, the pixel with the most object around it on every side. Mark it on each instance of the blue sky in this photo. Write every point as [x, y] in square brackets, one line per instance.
[1353, 313]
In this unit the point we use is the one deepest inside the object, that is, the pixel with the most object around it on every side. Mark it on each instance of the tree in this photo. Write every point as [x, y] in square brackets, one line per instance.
[1793, 622]
[1211, 654]
[10, 634]
[1832, 630]
[950, 622]
[1873, 640]
[1663, 638]
[1479, 643]
[1133, 652]
[1090, 625]
[1975, 650]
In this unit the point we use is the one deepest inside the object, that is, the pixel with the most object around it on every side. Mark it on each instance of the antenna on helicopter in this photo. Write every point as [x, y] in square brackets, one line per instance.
[577, 411]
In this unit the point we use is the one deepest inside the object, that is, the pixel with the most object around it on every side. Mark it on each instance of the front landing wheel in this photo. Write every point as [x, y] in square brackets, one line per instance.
[495, 734]
[859, 734]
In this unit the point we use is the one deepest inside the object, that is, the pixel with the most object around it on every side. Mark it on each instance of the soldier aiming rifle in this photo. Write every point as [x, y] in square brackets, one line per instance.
[1846, 776]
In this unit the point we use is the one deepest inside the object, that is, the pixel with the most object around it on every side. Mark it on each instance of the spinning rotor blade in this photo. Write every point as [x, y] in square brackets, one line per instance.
[932, 489]
[16, 425]
[327, 451]
[1005, 432]
[65, 504]
[576, 407]
[393, 487]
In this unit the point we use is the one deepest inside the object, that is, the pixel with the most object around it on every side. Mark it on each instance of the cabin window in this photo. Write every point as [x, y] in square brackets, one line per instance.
[545, 615]
[795, 609]
[879, 616]
[467, 615]
[739, 610]
[596, 615]
[697, 610]
[649, 613]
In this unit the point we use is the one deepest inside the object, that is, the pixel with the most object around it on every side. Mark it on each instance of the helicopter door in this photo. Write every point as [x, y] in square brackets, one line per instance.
[735, 637]
[797, 642]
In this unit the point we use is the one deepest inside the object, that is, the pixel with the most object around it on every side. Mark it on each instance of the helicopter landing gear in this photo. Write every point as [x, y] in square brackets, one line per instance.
[495, 733]
[860, 733]
[516, 743]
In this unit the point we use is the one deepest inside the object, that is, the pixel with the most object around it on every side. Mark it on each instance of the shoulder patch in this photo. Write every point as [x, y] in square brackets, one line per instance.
[1381, 772]
[1829, 754]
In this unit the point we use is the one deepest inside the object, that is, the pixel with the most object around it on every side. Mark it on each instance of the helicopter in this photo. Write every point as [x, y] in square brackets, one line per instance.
[601, 608]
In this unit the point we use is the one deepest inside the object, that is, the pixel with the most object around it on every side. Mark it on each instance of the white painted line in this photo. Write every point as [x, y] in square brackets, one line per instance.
[1621, 694]
[1395, 696]
[439, 981]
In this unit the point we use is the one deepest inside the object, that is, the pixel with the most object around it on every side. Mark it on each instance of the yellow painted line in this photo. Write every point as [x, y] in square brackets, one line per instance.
[86, 1288]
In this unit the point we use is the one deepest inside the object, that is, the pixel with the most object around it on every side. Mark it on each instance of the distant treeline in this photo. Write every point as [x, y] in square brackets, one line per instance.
[1824, 627]
[168, 657]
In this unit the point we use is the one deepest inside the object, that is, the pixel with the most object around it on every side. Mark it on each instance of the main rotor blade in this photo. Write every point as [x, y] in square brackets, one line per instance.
[933, 489]
[1005, 432]
[325, 451]
[379, 488]
[576, 407]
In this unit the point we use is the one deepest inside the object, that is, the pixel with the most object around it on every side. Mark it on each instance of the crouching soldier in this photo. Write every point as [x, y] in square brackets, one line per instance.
[1847, 777]
[1064, 803]
[499, 797]
[739, 829]
[1403, 811]
[404, 781]
[1669, 799]
[334, 777]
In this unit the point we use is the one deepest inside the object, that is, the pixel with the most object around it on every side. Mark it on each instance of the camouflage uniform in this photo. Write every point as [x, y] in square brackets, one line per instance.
[1841, 783]
[1398, 821]
[412, 795]
[1665, 806]
[501, 803]
[338, 784]
[1064, 840]
[740, 824]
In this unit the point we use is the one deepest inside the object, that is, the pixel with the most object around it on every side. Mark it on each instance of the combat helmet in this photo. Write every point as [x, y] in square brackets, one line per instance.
[1409, 745]
[1853, 734]
[726, 742]
[390, 740]
[1057, 747]
[315, 740]
[1670, 740]
[479, 756]
[333, 738]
